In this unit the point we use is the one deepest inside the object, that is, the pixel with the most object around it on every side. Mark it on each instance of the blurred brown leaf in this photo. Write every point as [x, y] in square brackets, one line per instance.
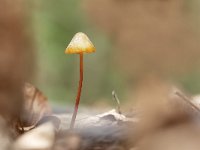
[35, 106]
[16, 57]
[166, 119]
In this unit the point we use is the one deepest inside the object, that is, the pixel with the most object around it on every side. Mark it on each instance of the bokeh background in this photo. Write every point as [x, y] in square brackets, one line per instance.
[133, 38]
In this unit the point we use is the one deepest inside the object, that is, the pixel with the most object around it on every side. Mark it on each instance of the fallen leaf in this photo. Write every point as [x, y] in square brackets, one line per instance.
[35, 106]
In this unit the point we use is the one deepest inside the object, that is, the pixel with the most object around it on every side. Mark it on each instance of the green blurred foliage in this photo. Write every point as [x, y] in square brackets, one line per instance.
[55, 22]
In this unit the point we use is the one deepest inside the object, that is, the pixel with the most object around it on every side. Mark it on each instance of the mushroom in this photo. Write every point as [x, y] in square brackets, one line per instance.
[79, 44]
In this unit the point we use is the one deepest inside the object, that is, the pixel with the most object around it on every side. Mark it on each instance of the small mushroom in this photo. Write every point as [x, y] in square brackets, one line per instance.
[79, 44]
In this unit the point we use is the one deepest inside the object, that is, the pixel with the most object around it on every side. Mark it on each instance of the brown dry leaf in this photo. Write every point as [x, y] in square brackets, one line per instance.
[167, 120]
[35, 106]
[160, 106]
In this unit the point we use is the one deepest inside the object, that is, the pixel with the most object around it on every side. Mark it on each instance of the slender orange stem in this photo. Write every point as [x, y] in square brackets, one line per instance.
[78, 94]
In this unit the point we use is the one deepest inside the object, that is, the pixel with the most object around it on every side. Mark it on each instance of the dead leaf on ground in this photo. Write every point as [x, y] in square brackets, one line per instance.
[35, 106]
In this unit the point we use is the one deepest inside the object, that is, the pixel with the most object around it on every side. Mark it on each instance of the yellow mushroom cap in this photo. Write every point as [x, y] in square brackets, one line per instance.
[80, 43]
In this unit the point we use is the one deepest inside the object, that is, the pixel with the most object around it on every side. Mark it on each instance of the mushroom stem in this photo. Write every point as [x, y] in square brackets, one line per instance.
[78, 94]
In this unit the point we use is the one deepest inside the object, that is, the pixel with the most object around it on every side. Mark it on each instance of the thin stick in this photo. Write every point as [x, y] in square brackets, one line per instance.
[115, 97]
[187, 100]
[78, 94]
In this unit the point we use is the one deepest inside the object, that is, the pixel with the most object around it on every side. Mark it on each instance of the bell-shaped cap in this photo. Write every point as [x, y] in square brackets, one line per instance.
[80, 43]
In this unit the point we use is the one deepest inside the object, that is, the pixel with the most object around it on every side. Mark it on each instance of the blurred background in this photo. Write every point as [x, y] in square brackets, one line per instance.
[133, 39]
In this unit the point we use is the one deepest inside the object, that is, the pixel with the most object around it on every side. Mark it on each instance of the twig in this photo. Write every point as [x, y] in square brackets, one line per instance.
[187, 100]
[117, 100]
